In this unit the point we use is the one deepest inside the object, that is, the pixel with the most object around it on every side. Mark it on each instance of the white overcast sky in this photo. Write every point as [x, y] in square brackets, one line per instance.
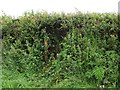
[18, 7]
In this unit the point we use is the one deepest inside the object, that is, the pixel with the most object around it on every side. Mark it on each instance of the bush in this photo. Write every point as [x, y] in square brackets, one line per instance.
[60, 46]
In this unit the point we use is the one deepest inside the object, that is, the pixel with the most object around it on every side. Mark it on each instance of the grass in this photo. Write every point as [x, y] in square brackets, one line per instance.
[14, 79]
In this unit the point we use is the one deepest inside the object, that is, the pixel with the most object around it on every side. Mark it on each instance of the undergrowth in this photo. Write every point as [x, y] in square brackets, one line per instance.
[58, 50]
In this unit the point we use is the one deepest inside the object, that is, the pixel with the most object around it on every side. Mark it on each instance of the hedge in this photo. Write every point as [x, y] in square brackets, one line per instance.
[60, 45]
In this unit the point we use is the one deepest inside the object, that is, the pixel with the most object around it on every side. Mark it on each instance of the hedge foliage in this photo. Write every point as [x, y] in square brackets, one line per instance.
[63, 45]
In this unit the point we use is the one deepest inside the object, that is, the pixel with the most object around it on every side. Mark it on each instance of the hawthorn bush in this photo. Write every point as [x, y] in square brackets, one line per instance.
[60, 46]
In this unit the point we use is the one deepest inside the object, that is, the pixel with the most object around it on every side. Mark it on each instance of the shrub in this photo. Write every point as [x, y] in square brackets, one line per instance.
[60, 46]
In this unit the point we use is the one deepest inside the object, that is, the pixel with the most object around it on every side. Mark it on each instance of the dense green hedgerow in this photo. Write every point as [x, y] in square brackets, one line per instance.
[61, 46]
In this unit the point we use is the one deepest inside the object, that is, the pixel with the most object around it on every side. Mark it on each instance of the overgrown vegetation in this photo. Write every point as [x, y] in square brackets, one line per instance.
[60, 50]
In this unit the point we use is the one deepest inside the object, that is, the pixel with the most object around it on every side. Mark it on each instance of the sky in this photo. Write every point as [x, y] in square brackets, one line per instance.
[18, 7]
